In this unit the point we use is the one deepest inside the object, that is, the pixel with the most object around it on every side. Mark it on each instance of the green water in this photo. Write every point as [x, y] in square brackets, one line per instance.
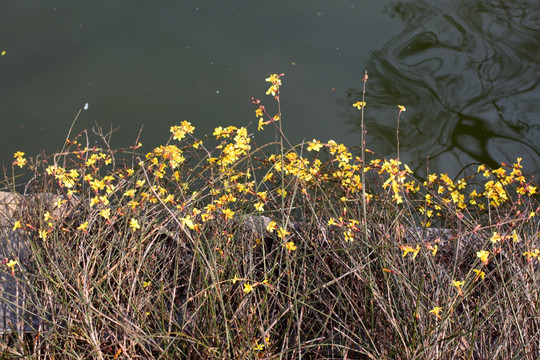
[467, 71]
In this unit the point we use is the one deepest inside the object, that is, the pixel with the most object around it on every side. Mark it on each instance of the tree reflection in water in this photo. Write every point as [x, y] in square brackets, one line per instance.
[468, 73]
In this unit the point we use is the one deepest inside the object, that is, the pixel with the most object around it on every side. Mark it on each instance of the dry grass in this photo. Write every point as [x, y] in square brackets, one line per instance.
[223, 249]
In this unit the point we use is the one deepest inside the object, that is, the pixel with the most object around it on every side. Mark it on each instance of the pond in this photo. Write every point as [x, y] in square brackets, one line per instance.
[466, 70]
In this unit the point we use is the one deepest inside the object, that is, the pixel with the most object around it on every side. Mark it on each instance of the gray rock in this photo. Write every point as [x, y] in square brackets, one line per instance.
[16, 312]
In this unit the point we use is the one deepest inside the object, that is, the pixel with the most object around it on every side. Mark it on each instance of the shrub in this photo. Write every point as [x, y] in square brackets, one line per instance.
[219, 248]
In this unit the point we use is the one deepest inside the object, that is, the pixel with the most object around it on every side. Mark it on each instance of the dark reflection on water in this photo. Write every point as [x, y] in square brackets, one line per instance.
[468, 72]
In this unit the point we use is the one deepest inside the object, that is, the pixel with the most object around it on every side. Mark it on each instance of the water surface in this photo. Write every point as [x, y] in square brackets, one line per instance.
[467, 71]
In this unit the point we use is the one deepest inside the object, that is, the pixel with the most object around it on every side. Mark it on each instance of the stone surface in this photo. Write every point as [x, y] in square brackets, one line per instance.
[15, 313]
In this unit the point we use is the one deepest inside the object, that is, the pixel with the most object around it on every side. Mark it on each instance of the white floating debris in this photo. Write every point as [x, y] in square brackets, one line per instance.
[86, 106]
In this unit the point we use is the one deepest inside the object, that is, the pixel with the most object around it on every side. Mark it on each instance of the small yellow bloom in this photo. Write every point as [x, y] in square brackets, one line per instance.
[134, 224]
[248, 288]
[11, 264]
[259, 206]
[290, 246]
[483, 256]
[17, 225]
[3, 52]
[130, 193]
[42, 234]
[408, 249]
[433, 248]
[495, 237]
[261, 123]
[146, 284]
[258, 347]
[359, 104]
[59, 202]
[228, 214]
[187, 221]
[514, 236]
[83, 226]
[105, 213]
[272, 225]
[479, 274]
[458, 285]
[19, 159]
[314, 145]
[401, 108]
[436, 311]
[235, 279]
[282, 233]
[531, 254]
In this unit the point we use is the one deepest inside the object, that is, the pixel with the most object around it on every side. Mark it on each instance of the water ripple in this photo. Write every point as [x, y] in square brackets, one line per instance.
[468, 73]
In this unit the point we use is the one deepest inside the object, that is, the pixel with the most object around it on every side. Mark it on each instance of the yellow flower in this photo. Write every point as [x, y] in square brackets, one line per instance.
[179, 132]
[274, 79]
[483, 255]
[42, 234]
[105, 213]
[17, 225]
[514, 236]
[282, 233]
[290, 246]
[11, 264]
[401, 108]
[479, 274]
[130, 193]
[83, 226]
[359, 104]
[272, 225]
[146, 284]
[495, 237]
[458, 285]
[134, 224]
[59, 202]
[408, 249]
[248, 288]
[228, 213]
[3, 52]
[235, 279]
[19, 159]
[436, 311]
[259, 206]
[433, 249]
[276, 83]
[261, 123]
[258, 347]
[259, 112]
[187, 221]
[272, 90]
[531, 254]
[314, 145]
